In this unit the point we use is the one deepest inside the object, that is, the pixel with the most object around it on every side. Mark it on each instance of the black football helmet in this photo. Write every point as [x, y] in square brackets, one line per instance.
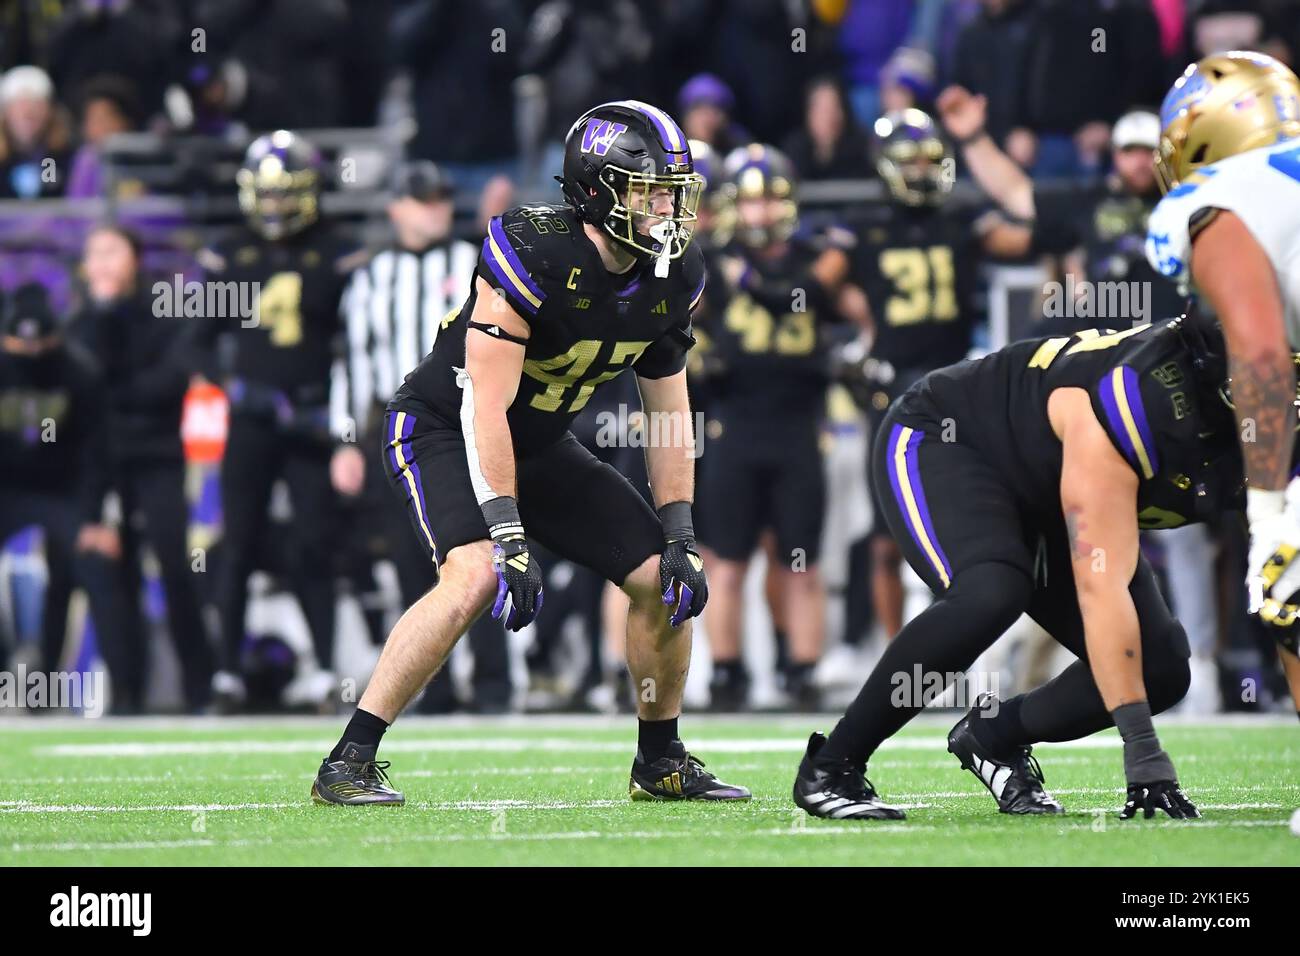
[912, 158]
[758, 171]
[616, 157]
[280, 184]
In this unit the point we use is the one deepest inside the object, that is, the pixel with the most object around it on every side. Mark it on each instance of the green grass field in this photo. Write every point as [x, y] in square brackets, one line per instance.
[553, 791]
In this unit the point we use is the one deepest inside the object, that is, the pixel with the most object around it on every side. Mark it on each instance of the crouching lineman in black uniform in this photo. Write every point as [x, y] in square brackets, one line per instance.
[769, 397]
[275, 368]
[477, 443]
[1019, 483]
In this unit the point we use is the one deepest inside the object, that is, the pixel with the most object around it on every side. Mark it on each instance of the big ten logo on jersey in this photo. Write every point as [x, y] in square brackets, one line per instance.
[924, 285]
[793, 333]
[600, 135]
[574, 370]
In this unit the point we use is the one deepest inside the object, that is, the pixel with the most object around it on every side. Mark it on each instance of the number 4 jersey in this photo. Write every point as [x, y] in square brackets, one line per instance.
[586, 325]
[1262, 187]
[286, 340]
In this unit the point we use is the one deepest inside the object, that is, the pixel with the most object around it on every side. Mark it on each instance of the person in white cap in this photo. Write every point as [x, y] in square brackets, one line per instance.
[1098, 229]
[35, 136]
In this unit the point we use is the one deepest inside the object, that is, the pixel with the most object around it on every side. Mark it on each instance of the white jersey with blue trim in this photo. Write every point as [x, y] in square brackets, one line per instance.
[1262, 187]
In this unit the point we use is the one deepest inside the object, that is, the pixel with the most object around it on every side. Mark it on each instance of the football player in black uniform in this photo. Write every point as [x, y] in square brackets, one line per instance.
[275, 368]
[566, 298]
[916, 259]
[769, 351]
[1018, 484]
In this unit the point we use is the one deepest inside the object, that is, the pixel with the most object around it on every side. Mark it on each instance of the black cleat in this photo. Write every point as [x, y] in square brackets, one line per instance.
[839, 793]
[678, 776]
[1015, 779]
[355, 779]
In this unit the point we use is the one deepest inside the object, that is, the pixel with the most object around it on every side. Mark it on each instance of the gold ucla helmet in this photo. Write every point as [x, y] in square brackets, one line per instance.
[758, 171]
[1222, 105]
[280, 184]
[912, 158]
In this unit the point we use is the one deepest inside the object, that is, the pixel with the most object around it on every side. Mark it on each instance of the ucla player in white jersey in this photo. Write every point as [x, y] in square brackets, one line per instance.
[1229, 229]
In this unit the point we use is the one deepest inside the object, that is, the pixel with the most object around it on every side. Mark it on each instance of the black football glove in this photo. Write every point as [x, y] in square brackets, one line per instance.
[519, 578]
[1164, 795]
[681, 569]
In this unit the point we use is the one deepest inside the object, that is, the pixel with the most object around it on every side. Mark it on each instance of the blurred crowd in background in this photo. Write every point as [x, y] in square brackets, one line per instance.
[263, 573]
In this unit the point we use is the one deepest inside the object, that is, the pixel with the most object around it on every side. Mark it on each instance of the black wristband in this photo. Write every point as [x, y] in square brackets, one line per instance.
[1144, 760]
[676, 519]
[967, 140]
[502, 517]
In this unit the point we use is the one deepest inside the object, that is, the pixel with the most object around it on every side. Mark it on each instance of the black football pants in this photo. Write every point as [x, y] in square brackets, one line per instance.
[258, 452]
[155, 511]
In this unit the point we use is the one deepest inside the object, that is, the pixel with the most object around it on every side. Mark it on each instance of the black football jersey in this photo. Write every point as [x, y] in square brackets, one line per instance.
[586, 325]
[917, 268]
[770, 339]
[1156, 396]
[291, 344]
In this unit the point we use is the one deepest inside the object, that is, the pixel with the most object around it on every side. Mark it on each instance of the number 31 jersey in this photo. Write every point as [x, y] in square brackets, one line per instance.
[917, 267]
[1262, 187]
[586, 325]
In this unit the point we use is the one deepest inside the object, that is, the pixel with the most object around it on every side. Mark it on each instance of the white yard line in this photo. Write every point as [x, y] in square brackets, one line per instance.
[863, 831]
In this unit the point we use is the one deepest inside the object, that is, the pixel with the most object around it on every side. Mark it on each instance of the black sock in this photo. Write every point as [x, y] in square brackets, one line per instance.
[1001, 731]
[654, 737]
[1068, 707]
[364, 729]
[799, 672]
[728, 673]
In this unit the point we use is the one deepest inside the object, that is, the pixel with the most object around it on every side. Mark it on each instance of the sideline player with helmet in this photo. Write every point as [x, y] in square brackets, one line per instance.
[768, 397]
[1228, 229]
[1018, 483]
[915, 259]
[276, 373]
[477, 441]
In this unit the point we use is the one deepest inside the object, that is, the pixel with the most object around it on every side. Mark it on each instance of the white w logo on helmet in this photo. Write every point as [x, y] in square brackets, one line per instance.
[600, 135]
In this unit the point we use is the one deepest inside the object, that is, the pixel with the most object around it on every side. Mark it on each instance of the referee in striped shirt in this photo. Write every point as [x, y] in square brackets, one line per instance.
[392, 308]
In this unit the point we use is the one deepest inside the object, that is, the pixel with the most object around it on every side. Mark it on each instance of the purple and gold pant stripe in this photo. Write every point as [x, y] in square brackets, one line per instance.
[1122, 399]
[400, 426]
[905, 477]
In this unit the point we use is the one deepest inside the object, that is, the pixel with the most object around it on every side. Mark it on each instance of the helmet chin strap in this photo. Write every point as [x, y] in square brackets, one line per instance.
[663, 233]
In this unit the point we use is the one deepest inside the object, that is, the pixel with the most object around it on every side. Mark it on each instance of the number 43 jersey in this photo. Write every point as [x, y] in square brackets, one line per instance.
[586, 325]
[770, 342]
[1262, 187]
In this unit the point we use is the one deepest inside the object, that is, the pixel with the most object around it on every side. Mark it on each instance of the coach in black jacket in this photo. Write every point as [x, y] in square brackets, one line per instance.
[144, 360]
